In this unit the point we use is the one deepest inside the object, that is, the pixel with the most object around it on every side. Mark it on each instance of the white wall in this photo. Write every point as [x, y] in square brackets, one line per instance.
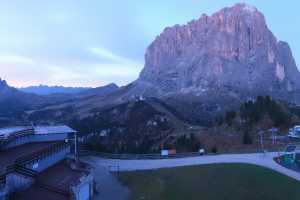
[84, 190]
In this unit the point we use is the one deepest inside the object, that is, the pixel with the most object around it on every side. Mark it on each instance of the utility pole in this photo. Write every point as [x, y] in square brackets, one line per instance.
[76, 153]
[274, 134]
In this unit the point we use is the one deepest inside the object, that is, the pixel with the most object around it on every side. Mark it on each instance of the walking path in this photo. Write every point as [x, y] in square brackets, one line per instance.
[260, 159]
[107, 185]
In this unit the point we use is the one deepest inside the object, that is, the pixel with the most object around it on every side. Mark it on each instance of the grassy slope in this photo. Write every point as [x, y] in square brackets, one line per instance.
[211, 182]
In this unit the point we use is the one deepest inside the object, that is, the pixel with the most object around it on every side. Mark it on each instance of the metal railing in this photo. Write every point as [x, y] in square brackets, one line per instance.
[19, 165]
[137, 156]
[42, 153]
[20, 169]
[18, 134]
[10, 138]
[2, 180]
[53, 189]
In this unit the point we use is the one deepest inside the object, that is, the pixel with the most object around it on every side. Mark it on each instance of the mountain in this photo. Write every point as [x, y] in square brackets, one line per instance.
[15, 105]
[217, 62]
[46, 90]
[208, 66]
[232, 52]
[102, 91]
[67, 93]
[193, 74]
[8, 93]
[75, 105]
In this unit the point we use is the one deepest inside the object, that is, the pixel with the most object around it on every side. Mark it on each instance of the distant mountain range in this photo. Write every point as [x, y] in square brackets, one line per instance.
[15, 104]
[46, 90]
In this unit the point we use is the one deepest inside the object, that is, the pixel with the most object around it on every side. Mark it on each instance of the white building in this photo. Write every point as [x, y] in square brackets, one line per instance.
[294, 132]
[19, 135]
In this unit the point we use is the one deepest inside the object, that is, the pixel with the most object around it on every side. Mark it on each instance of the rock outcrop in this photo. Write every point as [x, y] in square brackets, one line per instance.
[231, 51]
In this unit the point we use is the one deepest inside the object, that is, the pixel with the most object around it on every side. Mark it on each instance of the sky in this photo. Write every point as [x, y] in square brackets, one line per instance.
[91, 43]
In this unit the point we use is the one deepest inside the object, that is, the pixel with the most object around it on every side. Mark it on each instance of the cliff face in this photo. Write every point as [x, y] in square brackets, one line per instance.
[231, 51]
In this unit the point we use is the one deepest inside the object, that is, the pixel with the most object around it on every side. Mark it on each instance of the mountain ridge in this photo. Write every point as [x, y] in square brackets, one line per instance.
[233, 49]
[46, 90]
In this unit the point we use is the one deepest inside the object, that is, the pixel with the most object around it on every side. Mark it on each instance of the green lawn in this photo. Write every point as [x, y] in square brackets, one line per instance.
[211, 182]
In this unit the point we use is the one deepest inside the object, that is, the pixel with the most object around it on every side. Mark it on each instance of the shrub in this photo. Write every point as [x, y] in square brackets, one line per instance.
[214, 149]
[247, 139]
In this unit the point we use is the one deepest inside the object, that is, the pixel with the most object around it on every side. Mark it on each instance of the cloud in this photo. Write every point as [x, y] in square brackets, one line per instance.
[98, 73]
[15, 59]
[102, 68]
[114, 66]
[110, 56]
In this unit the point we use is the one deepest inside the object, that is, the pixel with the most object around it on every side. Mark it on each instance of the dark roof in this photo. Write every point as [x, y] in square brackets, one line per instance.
[36, 192]
[10, 130]
[61, 176]
[9, 156]
[53, 183]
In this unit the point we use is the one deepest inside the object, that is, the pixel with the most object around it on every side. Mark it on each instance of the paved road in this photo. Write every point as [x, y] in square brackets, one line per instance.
[265, 160]
[108, 186]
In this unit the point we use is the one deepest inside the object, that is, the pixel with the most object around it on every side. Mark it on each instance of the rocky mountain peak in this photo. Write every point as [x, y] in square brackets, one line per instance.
[231, 50]
[2, 83]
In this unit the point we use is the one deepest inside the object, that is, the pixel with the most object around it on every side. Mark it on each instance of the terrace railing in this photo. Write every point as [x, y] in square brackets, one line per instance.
[20, 164]
[53, 189]
[136, 156]
[38, 155]
[16, 135]
[20, 169]
[2, 180]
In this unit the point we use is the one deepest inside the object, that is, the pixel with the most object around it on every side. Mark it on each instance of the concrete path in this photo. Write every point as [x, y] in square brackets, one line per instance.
[260, 159]
[108, 186]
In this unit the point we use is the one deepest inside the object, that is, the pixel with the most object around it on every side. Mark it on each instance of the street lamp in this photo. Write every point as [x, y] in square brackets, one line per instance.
[261, 134]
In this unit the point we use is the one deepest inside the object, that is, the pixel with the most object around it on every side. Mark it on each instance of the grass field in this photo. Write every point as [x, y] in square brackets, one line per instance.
[211, 182]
